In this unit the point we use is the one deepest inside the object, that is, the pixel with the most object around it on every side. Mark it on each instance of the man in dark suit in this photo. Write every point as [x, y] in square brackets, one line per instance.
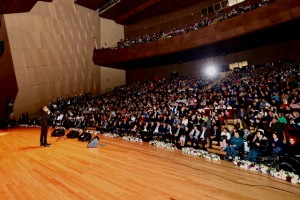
[157, 130]
[203, 137]
[45, 116]
[175, 133]
[193, 136]
[214, 135]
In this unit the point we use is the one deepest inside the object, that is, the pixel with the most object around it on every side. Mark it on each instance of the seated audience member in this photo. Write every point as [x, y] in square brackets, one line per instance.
[183, 136]
[292, 147]
[176, 135]
[290, 161]
[133, 129]
[163, 133]
[295, 123]
[277, 144]
[214, 135]
[157, 130]
[145, 129]
[225, 137]
[294, 105]
[170, 133]
[260, 145]
[103, 126]
[248, 137]
[193, 136]
[235, 144]
[207, 122]
[176, 121]
[275, 126]
[203, 137]
[281, 118]
[258, 123]
[152, 127]
[115, 127]
[239, 126]
[124, 128]
[184, 121]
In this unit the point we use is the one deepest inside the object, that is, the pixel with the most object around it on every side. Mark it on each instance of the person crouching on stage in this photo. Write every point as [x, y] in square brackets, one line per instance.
[45, 116]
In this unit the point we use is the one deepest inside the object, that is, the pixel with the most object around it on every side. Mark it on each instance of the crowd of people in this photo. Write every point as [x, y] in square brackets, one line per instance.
[263, 103]
[205, 21]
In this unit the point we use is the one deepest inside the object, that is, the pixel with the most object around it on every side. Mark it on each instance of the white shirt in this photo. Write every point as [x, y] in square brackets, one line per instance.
[202, 135]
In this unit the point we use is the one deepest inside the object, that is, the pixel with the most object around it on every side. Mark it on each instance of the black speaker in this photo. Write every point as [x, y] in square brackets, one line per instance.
[85, 136]
[58, 132]
[73, 134]
[1, 48]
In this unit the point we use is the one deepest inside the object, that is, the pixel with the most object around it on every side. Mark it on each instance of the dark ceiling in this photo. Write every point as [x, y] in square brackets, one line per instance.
[130, 11]
[17, 6]
[125, 12]
[91, 4]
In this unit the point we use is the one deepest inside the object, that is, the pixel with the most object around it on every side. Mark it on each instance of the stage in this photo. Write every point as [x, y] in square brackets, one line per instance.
[119, 169]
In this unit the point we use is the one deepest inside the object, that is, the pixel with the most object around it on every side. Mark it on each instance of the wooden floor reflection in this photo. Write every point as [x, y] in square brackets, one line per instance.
[122, 170]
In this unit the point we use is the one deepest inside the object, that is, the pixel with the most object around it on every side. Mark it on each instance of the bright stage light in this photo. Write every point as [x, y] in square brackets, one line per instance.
[211, 71]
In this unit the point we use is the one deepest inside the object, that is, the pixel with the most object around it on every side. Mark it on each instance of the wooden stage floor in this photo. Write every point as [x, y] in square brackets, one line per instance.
[122, 170]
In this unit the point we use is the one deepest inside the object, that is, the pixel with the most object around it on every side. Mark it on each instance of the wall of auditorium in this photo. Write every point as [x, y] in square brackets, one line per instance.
[285, 50]
[111, 33]
[8, 82]
[111, 78]
[52, 47]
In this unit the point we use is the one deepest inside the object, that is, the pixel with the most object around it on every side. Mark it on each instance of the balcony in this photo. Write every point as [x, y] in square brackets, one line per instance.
[262, 26]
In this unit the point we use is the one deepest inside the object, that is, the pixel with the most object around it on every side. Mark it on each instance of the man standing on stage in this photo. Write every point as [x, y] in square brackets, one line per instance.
[45, 116]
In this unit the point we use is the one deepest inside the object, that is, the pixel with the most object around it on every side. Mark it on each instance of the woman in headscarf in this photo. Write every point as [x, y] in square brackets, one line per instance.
[293, 148]
[291, 160]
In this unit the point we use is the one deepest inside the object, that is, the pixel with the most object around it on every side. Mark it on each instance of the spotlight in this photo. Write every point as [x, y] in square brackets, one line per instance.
[211, 71]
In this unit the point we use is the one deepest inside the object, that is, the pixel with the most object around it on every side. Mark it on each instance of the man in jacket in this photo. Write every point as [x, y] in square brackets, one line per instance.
[260, 145]
[45, 116]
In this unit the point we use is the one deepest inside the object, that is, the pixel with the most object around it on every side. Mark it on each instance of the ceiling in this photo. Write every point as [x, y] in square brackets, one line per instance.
[127, 12]
[17, 6]
[91, 4]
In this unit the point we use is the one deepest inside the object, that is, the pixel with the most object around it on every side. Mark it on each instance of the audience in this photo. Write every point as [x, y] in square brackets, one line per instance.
[193, 110]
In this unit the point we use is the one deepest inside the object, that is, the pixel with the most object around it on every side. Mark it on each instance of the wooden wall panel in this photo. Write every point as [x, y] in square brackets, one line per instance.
[51, 47]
